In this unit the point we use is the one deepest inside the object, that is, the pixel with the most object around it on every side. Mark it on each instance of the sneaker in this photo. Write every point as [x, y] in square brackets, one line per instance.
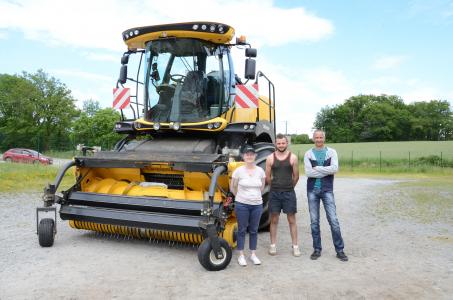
[255, 259]
[315, 255]
[341, 256]
[241, 260]
[273, 249]
[296, 251]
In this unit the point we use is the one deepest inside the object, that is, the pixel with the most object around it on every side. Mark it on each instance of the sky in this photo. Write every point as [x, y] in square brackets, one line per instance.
[317, 53]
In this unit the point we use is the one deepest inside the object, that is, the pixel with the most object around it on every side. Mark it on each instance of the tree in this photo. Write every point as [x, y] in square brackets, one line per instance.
[36, 111]
[95, 126]
[385, 118]
[431, 120]
[300, 139]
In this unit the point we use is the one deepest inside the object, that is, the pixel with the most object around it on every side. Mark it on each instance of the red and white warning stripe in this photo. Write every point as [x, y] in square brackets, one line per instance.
[121, 98]
[246, 96]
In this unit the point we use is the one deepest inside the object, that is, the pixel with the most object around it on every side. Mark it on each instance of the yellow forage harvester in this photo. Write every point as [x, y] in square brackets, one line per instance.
[186, 117]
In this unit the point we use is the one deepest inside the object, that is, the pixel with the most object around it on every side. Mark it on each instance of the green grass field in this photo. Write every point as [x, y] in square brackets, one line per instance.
[391, 156]
[23, 177]
[390, 150]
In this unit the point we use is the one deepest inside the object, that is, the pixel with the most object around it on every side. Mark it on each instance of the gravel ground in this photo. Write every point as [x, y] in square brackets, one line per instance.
[389, 259]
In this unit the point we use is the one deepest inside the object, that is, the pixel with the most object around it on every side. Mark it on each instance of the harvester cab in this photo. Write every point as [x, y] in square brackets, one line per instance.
[186, 117]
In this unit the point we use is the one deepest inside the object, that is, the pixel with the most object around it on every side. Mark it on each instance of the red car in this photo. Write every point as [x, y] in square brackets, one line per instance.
[26, 156]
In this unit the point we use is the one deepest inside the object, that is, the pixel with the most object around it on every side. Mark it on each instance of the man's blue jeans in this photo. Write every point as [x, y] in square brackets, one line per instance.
[328, 200]
[248, 216]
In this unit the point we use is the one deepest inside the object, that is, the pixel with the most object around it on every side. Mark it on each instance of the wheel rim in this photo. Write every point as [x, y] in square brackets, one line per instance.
[214, 259]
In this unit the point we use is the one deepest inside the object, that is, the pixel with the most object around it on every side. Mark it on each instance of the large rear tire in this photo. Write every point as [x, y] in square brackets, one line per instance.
[46, 232]
[263, 150]
[207, 258]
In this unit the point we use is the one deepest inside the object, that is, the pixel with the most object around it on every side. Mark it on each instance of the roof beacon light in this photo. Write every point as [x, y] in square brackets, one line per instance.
[241, 40]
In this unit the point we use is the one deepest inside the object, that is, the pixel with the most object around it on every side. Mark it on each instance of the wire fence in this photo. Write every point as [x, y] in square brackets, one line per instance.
[383, 161]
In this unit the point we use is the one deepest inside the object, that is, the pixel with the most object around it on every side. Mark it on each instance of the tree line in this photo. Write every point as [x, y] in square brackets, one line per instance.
[370, 118]
[38, 111]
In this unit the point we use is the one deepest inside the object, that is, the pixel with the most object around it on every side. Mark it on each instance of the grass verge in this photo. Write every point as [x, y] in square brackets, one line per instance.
[24, 177]
[424, 200]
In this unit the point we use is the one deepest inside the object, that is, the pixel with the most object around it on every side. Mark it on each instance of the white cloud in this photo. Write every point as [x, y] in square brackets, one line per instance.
[99, 24]
[102, 57]
[83, 75]
[301, 95]
[83, 95]
[389, 62]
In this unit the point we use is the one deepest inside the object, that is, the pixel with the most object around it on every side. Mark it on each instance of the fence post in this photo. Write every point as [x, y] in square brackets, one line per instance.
[352, 160]
[380, 161]
[409, 159]
[441, 163]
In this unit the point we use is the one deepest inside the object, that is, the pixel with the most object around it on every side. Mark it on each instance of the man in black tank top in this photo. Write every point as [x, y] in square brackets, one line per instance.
[282, 174]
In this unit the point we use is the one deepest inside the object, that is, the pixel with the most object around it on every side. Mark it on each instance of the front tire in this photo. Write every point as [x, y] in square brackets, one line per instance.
[8, 160]
[263, 150]
[46, 232]
[207, 258]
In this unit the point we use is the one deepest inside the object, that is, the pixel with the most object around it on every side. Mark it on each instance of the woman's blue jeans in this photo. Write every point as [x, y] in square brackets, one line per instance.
[248, 216]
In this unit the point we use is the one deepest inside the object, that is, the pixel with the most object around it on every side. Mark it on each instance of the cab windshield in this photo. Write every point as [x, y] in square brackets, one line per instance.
[186, 80]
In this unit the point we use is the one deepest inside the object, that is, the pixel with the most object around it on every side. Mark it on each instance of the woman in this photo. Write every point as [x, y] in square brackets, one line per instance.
[247, 184]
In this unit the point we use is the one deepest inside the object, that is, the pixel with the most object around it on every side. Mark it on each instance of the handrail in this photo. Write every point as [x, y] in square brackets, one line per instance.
[271, 103]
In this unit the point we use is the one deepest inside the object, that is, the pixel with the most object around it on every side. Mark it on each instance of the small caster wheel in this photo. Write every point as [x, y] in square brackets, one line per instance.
[46, 232]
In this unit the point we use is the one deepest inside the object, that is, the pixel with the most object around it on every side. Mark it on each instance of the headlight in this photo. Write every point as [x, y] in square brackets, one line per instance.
[176, 126]
[210, 126]
[217, 124]
[156, 126]
[246, 126]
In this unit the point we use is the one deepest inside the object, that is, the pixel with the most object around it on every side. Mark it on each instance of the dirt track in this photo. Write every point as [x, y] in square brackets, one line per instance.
[389, 258]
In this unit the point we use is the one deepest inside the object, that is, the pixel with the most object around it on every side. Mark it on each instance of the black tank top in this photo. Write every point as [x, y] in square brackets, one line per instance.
[282, 174]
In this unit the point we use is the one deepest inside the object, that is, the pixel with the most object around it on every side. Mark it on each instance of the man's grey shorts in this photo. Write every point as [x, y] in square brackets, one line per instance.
[283, 200]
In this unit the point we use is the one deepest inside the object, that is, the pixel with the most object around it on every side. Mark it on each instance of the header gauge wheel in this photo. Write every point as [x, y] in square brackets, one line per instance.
[207, 258]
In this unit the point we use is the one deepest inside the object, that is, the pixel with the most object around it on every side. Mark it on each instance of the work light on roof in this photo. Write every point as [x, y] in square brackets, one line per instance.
[195, 27]
[203, 27]
[136, 31]
[212, 28]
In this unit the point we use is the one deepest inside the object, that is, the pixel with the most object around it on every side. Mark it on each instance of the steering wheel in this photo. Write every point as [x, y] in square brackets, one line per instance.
[178, 78]
[165, 87]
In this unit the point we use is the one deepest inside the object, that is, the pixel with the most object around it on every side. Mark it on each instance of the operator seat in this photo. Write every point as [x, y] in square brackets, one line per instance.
[192, 92]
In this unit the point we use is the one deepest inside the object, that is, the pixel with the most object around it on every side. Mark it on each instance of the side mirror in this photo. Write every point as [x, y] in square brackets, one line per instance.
[125, 59]
[123, 74]
[250, 68]
[250, 52]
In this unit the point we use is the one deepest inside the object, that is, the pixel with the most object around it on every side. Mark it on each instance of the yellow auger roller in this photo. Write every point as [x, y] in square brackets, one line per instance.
[228, 234]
